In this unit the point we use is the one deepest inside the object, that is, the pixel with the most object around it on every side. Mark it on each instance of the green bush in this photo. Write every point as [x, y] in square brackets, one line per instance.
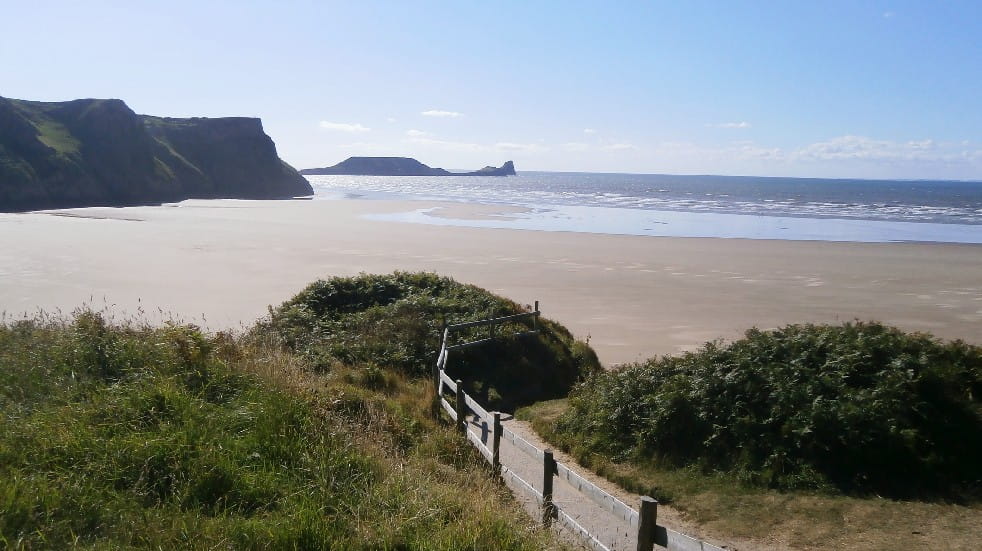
[394, 321]
[861, 407]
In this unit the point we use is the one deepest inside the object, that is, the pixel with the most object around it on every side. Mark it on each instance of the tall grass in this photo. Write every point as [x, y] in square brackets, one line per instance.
[129, 436]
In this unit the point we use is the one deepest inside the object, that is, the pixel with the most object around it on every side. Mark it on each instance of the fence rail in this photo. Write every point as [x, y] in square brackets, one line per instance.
[495, 321]
[649, 534]
[476, 440]
[449, 409]
[476, 407]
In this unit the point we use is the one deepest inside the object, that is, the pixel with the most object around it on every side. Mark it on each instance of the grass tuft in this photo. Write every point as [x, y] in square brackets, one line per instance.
[120, 435]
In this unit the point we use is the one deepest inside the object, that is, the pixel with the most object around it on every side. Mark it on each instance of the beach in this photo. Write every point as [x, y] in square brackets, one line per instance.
[221, 263]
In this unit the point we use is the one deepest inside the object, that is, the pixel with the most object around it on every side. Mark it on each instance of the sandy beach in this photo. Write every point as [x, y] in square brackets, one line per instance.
[221, 263]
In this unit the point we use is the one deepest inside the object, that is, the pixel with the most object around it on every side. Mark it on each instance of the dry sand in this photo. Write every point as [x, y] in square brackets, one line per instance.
[220, 263]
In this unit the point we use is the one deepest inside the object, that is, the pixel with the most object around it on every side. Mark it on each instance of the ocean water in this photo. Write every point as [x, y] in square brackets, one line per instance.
[692, 206]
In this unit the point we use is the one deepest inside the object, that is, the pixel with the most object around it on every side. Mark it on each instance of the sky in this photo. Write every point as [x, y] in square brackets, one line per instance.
[864, 89]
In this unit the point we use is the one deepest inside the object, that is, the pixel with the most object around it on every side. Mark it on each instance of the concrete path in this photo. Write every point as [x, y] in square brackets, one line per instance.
[613, 533]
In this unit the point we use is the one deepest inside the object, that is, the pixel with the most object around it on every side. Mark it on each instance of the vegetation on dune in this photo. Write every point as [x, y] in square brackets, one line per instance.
[127, 436]
[394, 322]
[859, 408]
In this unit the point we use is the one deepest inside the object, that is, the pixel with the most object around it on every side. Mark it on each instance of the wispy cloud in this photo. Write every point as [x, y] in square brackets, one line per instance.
[363, 147]
[589, 131]
[521, 147]
[862, 148]
[441, 113]
[413, 133]
[888, 14]
[575, 146]
[741, 124]
[390, 120]
[447, 145]
[619, 147]
[344, 126]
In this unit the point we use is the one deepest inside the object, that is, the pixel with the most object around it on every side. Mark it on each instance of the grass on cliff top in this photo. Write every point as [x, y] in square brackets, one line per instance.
[50, 132]
[119, 435]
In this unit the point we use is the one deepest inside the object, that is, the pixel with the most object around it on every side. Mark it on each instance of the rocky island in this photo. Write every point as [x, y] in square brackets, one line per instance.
[98, 152]
[401, 166]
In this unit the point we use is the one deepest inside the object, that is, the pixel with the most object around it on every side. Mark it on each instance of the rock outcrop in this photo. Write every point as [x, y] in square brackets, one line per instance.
[401, 166]
[93, 152]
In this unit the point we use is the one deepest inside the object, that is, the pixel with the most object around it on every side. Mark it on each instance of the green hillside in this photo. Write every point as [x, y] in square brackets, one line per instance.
[122, 435]
[99, 152]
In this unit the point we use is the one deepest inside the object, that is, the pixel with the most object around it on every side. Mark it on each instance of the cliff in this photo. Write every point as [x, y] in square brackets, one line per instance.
[92, 152]
[401, 166]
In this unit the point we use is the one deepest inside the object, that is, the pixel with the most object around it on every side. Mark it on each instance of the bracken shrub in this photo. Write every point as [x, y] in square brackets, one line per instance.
[860, 408]
[394, 322]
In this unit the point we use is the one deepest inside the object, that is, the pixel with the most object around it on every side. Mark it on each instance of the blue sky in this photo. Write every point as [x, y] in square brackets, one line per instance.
[870, 89]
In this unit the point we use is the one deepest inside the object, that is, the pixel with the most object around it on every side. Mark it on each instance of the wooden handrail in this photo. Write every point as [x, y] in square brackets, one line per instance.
[491, 321]
[649, 534]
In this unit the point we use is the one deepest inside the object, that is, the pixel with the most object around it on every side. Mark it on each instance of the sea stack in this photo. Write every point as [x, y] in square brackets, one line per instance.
[401, 166]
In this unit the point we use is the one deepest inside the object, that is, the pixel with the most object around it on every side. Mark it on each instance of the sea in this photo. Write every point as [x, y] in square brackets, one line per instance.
[747, 207]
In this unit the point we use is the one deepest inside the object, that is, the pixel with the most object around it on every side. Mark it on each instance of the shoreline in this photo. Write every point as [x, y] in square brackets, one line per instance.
[219, 263]
[683, 224]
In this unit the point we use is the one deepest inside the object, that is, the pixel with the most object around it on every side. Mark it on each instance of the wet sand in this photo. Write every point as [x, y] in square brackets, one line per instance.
[221, 263]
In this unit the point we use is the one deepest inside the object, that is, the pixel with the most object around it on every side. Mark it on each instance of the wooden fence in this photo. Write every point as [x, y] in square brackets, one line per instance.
[643, 520]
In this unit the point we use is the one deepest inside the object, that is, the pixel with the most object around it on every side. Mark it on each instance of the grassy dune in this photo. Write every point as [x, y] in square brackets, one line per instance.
[119, 435]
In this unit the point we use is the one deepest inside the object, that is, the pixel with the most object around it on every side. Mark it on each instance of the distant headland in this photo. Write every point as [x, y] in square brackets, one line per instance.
[98, 152]
[401, 166]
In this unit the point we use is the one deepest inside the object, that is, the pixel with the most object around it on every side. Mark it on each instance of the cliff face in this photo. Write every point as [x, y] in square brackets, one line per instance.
[401, 166]
[99, 152]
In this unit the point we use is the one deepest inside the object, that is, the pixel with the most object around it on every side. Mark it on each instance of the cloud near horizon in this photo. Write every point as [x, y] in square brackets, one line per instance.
[863, 148]
[446, 144]
[575, 146]
[842, 149]
[441, 113]
[741, 124]
[520, 147]
[344, 126]
[619, 147]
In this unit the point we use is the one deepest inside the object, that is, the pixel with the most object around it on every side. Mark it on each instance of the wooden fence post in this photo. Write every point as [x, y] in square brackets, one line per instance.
[496, 444]
[535, 319]
[548, 469]
[461, 407]
[647, 519]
